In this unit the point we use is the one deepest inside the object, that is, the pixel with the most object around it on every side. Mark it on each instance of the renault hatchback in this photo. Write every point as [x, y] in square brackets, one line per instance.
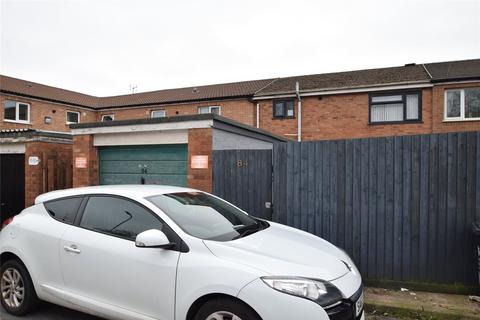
[159, 252]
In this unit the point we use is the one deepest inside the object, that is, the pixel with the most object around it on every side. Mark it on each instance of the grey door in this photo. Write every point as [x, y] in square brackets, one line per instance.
[244, 178]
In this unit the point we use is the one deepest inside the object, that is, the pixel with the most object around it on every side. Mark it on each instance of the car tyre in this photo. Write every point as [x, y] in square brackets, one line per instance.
[15, 280]
[226, 309]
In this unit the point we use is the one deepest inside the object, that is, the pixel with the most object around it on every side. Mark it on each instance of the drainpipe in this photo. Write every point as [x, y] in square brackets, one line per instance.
[258, 115]
[299, 126]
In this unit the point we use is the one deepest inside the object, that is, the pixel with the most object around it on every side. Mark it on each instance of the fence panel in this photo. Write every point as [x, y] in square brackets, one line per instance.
[402, 207]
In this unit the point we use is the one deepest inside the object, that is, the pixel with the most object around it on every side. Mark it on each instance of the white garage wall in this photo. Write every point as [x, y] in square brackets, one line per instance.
[141, 138]
[223, 140]
[12, 148]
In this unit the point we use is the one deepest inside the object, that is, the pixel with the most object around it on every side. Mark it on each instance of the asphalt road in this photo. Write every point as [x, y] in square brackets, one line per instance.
[48, 311]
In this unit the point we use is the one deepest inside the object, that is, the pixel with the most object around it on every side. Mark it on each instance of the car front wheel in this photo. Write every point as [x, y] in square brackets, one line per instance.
[225, 309]
[18, 295]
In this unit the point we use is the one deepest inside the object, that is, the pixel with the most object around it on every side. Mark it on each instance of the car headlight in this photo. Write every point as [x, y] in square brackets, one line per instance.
[322, 292]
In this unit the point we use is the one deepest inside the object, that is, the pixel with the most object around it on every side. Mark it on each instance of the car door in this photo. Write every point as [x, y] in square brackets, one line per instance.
[102, 268]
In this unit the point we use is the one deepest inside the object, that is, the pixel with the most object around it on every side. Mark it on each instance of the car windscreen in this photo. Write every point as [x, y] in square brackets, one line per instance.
[206, 217]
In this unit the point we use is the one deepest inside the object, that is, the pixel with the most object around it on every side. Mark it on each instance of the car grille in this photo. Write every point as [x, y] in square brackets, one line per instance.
[346, 309]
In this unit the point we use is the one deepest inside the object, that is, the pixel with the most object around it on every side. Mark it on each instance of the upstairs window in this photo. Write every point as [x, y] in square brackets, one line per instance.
[395, 107]
[73, 117]
[462, 104]
[209, 109]
[283, 109]
[16, 112]
[158, 113]
[108, 117]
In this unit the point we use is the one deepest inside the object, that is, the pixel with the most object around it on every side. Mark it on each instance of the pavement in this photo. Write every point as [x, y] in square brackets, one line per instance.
[380, 304]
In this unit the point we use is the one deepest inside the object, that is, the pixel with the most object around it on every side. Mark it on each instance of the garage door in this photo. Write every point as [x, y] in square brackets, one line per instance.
[146, 164]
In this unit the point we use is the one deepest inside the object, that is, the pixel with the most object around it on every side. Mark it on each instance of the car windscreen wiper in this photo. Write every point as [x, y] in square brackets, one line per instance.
[246, 230]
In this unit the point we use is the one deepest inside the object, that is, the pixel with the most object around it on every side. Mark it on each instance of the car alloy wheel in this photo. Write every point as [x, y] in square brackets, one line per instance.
[12, 288]
[223, 315]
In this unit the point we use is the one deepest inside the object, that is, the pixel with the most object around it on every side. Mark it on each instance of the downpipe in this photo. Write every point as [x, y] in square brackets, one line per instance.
[299, 117]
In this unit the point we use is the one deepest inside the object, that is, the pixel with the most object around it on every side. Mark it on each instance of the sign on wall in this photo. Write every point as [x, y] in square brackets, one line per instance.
[80, 162]
[199, 162]
[33, 161]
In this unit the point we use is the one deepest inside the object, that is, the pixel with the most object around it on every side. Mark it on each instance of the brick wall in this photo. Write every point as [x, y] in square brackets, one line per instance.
[341, 117]
[39, 110]
[241, 110]
[438, 97]
[83, 148]
[53, 172]
[200, 143]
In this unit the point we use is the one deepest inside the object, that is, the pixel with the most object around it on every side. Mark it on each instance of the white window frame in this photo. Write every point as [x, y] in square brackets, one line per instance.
[66, 117]
[17, 113]
[210, 109]
[158, 110]
[462, 107]
[108, 115]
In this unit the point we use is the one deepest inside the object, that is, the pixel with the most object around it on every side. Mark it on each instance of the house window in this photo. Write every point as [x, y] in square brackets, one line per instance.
[16, 112]
[396, 107]
[462, 104]
[209, 109]
[283, 109]
[73, 117]
[108, 117]
[158, 113]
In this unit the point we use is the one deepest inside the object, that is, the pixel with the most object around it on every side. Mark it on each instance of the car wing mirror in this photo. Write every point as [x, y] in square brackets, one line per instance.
[153, 238]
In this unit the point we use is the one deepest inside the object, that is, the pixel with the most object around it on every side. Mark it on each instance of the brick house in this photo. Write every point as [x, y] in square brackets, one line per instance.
[411, 99]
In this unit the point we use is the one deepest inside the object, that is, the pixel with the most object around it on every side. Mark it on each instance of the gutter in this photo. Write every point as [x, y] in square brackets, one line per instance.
[333, 91]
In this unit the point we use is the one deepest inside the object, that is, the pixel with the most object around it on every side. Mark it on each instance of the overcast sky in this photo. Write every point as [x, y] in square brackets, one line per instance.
[100, 47]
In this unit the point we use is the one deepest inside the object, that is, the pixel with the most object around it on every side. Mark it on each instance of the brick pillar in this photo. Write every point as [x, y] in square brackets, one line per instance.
[34, 174]
[200, 144]
[43, 177]
[83, 150]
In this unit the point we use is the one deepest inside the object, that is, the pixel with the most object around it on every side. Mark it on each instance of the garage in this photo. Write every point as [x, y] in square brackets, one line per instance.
[144, 164]
[168, 151]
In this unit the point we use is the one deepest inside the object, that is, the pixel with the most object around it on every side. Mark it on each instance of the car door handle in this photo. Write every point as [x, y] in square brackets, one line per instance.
[73, 249]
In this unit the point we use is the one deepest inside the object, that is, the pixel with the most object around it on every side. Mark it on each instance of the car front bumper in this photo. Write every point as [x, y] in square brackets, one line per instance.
[274, 305]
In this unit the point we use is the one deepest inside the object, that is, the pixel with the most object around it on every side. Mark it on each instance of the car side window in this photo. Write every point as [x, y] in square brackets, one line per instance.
[117, 217]
[64, 210]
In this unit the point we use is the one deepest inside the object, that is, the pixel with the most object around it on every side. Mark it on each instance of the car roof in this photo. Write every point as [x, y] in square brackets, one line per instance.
[130, 191]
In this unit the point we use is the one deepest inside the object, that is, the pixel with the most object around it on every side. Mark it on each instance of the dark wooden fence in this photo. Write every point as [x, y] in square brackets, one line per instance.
[402, 207]
[244, 177]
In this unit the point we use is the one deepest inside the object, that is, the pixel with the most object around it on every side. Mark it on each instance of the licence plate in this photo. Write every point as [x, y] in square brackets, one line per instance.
[359, 305]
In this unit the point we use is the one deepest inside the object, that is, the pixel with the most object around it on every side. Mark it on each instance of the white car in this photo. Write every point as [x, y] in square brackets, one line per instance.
[160, 252]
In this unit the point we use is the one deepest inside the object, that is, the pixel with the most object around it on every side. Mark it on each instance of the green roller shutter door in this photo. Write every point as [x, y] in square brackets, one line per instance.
[149, 164]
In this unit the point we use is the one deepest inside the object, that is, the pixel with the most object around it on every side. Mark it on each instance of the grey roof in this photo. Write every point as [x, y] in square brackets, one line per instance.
[33, 133]
[200, 93]
[454, 70]
[347, 80]
[412, 73]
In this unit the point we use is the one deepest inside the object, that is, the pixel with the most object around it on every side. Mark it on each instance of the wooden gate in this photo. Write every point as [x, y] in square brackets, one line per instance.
[244, 178]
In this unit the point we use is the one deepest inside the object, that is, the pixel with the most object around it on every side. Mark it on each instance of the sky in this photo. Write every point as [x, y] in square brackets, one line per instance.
[101, 47]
